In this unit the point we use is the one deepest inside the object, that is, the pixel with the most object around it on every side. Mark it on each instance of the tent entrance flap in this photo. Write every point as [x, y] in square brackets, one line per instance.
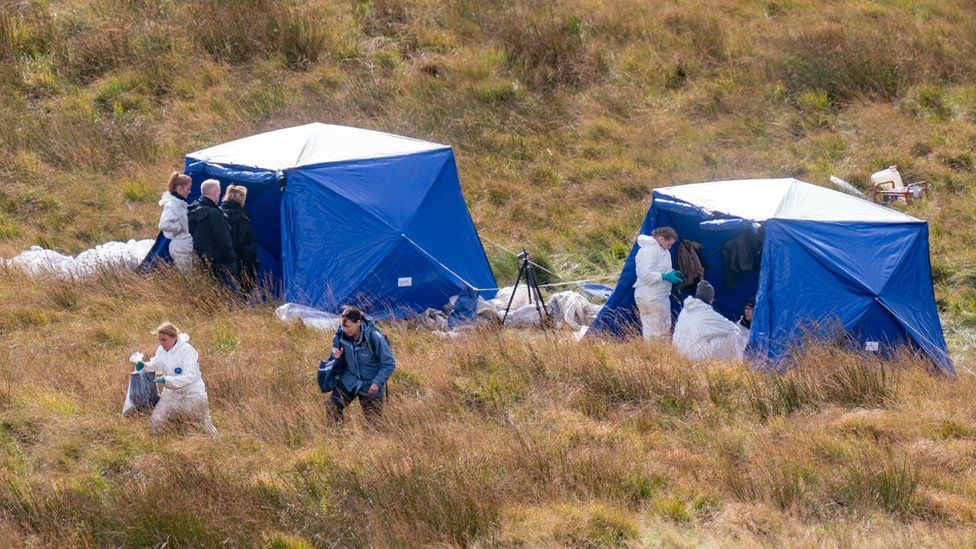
[263, 206]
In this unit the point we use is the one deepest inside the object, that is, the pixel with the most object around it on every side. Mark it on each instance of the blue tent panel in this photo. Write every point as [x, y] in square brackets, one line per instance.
[443, 228]
[393, 233]
[159, 253]
[866, 278]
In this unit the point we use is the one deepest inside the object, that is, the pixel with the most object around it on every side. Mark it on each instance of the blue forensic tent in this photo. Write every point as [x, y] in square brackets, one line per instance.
[352, 216]
[828, 260]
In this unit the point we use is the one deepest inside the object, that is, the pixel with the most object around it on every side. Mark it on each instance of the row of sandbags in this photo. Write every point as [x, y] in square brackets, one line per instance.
[38, 261]
[565, 309]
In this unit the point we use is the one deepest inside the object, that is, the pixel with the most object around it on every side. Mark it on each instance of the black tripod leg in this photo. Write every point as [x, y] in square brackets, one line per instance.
[518, 279]
[539, 292]
[540, 305]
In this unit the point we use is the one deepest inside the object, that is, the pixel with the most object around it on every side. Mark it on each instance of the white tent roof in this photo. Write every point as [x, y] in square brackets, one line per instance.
[314, 143]
[762, 199]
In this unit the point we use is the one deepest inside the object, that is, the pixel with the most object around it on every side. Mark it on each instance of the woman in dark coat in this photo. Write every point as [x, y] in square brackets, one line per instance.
[242, 234]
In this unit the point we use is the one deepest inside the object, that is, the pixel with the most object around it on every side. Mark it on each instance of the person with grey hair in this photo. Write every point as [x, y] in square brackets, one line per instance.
[701, 333]
[212, 241]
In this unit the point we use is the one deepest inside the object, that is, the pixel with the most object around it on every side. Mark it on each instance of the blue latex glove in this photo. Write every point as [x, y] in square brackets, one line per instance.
[140, 365]
[159, 380]
[672, 276]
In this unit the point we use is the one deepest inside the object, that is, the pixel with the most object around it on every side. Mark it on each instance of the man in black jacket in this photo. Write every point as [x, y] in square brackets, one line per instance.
[211, 233]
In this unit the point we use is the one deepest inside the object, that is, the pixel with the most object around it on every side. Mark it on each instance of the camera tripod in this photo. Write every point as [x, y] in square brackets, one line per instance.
[535, 295]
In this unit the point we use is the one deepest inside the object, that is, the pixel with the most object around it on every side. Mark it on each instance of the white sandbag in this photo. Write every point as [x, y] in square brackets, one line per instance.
[525, 315]
[38, 261]
[487, 310]
[432, 319]
[116, 255]
[572, 309]
[311, 317]
[504, 294]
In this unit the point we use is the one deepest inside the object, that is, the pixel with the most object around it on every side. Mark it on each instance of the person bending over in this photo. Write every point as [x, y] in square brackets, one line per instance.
[184, 397]
[701, 333]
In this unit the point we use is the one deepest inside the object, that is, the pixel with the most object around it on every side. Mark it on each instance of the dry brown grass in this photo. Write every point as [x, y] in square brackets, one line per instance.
[564, 115]
[498, 438]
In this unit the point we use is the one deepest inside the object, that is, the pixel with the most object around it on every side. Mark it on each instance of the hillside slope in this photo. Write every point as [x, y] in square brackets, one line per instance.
[564, 115]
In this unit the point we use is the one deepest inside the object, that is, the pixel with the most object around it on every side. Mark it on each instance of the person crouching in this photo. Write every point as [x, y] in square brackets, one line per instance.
[368, 361]
[701, 333]
[184, 397]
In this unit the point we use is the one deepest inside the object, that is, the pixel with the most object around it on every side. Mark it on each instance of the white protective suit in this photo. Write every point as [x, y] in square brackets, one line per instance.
[701, 333]
[746, 332]
[184, 394]
[175, 226]
[651, 292]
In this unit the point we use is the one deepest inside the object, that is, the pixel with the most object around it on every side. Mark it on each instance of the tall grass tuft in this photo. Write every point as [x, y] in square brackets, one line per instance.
[847, 63]
[547, 49]
[887, 484]
[826, 375]
[242, 30]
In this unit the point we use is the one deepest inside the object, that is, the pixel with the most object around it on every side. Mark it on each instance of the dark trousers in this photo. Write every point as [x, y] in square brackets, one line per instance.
[372, 405]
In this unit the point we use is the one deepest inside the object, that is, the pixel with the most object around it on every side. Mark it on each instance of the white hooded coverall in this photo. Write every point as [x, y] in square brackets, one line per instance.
[175, 226]
[701, 333]
[184, 395]
[651, 292]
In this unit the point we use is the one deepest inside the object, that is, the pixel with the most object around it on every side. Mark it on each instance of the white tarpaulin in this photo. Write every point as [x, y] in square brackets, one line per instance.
[762, 199]
[315, 143]
[111, 255]
[565, 308]
[314, 318]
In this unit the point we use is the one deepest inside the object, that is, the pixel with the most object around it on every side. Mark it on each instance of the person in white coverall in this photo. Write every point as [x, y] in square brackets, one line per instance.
[173, 221]
[701, 333]
[184, 397]
[655, 276]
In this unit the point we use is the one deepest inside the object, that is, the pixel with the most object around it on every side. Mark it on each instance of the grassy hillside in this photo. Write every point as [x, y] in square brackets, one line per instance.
[564, 115]
[504, 439]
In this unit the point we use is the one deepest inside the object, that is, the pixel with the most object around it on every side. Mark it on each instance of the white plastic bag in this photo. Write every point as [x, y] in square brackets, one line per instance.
[313, 318]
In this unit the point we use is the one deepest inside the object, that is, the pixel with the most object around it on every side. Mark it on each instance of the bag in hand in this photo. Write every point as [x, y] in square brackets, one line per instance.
[329, 373]
[142, 395]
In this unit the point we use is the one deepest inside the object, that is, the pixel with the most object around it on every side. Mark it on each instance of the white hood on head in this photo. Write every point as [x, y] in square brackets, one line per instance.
[168, 198]
[646, 240]
[184, 337]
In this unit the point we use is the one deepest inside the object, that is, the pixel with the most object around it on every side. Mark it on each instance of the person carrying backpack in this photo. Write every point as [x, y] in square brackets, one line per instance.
[367, 363]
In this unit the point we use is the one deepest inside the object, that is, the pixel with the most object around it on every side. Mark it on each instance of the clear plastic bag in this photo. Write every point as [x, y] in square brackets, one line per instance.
[142, 395]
